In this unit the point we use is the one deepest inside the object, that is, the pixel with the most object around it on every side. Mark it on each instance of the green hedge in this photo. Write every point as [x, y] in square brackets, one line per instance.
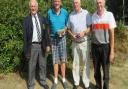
[121, 40]
[10, 35]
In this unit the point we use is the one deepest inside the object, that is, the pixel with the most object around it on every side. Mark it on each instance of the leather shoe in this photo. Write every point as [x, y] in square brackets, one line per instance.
[87, 88]
[45, 86]
[75, 87]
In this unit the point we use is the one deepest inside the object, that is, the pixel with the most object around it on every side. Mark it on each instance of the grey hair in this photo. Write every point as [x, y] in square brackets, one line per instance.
[34, 1]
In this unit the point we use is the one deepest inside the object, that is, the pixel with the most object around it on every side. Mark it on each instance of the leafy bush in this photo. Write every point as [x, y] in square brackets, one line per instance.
[10, 36]
[121, 37]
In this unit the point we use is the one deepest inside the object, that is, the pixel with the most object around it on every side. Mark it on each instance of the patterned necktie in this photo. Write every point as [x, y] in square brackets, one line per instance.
[37, 29]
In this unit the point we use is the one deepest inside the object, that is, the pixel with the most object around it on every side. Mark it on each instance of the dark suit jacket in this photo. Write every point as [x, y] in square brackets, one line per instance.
[28, 34]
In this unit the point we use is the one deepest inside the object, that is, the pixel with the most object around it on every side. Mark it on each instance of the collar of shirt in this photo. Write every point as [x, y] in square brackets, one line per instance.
[35, 15]
[102, 14]
[79, 11]
[55, 12]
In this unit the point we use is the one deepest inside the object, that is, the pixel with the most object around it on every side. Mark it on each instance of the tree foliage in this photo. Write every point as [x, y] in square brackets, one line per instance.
[116, 6]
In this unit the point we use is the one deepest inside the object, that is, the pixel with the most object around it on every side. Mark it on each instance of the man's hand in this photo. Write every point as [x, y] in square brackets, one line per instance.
[81, 34]
[28, 56]
[111, 57]
[48, 49]
[61, 32]
[75, 37]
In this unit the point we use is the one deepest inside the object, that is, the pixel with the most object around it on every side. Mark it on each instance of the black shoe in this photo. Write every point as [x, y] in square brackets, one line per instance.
[96, 87]
[45, 86]
[54, 86]
[65, 85]
[75, 87]
[87, 88]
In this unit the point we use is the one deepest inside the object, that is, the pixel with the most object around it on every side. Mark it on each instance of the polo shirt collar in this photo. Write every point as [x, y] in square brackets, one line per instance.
[102, 14]
[33, 15]
[55, 12]
[78, 12]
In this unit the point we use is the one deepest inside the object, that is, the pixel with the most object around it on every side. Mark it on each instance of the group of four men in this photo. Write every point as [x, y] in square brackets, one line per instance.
[38, 40]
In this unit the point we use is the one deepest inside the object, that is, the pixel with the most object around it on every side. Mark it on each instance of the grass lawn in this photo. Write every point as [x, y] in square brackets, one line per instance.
[118, 78]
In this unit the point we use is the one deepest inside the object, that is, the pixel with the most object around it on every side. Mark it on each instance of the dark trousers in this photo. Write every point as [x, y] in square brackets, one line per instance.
[100, 54]
[36, 56]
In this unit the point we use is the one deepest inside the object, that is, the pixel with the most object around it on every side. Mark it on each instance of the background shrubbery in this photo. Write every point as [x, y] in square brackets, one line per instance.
[121, 38]
[12, 13]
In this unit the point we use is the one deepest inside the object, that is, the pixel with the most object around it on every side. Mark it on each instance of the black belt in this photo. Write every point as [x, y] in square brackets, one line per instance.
[36, 42]
[100, 44]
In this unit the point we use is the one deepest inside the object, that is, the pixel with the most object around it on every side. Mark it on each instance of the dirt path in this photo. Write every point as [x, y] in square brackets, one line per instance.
[118, 80]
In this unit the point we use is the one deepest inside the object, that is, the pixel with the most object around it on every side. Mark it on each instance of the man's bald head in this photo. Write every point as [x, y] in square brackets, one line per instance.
[103, 1]
[79, 1]
[77, 5]
[100, 5]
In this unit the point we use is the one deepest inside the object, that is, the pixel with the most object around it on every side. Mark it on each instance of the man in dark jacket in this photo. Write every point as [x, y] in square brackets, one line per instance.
[36, 44]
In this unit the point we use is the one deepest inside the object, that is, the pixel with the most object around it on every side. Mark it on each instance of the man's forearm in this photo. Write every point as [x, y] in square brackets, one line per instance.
[70, 33]
[88, 30]
[112, 40]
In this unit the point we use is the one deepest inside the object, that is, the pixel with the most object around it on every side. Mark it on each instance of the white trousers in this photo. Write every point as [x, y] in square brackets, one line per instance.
[80, 50]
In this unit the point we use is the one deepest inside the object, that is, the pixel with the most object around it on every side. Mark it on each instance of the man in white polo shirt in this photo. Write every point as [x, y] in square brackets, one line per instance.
[103, 24]
[78, 26]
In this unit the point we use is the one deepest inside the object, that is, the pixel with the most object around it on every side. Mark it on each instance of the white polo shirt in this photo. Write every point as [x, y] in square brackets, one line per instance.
[101, 26]
[78, 22]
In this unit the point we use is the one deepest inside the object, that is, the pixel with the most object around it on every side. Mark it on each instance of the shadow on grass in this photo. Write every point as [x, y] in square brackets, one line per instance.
[23, 69]
[50, 75]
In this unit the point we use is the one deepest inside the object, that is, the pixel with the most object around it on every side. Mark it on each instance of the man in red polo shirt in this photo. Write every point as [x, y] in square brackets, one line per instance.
[103, 24]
